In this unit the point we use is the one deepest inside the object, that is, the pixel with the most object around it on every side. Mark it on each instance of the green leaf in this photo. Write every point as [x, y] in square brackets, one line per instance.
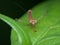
[23, 38]
[48, 27]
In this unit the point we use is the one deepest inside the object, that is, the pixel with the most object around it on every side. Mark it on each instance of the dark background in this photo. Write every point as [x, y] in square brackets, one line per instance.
[13, 9]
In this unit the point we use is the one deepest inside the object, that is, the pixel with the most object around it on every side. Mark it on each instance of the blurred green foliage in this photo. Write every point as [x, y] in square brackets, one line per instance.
[48, 26]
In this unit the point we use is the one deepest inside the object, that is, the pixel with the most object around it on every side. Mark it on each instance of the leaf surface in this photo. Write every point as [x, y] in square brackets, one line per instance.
[23, 38]
[48, 25]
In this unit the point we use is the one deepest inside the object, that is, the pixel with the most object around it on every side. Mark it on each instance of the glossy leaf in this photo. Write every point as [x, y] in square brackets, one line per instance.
[23, 38]
[48, 27]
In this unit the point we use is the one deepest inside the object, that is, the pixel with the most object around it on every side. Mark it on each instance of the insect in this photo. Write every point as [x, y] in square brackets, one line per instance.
[31, 20]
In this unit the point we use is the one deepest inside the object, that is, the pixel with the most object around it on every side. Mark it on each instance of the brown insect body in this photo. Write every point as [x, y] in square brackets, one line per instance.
[31, 20]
